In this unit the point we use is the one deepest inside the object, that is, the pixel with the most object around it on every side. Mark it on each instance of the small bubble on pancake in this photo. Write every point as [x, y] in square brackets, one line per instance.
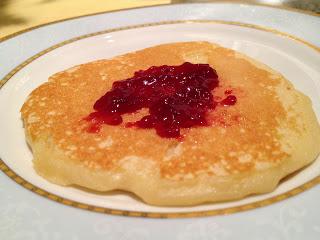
[30, 102]
[232, 154]
[196, 57]
[51, 113]
[106, 143]
[91, 149]
[72, 147]
[222, 131]
[262, 165]
[245, 158]
[188, 176]
[218, 170]
[69, 133]
[173, 152]
[33, 118]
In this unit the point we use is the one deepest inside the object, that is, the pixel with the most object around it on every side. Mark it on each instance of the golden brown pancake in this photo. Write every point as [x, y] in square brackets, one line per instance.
[269, 133]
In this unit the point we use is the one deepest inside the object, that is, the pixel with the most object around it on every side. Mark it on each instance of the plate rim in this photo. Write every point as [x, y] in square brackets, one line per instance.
[228, 210]
[283, 8]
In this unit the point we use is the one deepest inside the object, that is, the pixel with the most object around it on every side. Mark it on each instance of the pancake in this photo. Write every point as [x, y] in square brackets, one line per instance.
[246, 149]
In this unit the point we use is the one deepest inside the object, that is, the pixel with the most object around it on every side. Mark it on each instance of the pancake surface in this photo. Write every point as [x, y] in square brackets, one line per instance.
[269, 133]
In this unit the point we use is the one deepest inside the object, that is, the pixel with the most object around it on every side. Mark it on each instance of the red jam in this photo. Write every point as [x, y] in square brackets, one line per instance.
[229, 100]
[177, 97]
[228, 92]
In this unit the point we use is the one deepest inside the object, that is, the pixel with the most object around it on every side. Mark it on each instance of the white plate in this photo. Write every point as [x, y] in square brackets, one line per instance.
[295, 60]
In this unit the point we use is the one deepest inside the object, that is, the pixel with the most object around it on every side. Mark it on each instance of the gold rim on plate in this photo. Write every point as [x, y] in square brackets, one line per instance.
[286, 8]
[21, 181]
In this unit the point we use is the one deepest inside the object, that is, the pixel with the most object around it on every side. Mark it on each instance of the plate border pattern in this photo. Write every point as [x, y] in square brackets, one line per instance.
[285, 8]
[21, 181]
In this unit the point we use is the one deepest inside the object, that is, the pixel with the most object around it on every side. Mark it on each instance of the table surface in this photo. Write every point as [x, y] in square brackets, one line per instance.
[17, 15]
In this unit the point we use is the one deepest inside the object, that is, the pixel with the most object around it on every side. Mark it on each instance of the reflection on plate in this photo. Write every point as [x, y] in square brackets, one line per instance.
[293, 58]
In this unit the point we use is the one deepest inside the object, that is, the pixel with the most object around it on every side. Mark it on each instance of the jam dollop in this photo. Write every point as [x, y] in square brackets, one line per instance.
[176, 96]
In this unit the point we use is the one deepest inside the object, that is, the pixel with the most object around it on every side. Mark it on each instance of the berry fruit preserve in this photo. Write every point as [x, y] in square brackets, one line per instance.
[176, 96]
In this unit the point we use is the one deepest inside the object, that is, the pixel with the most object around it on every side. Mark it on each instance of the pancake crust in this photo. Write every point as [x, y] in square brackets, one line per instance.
[271, 132]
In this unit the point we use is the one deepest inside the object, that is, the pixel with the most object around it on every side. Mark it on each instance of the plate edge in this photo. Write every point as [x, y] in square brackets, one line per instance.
[285, 8]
